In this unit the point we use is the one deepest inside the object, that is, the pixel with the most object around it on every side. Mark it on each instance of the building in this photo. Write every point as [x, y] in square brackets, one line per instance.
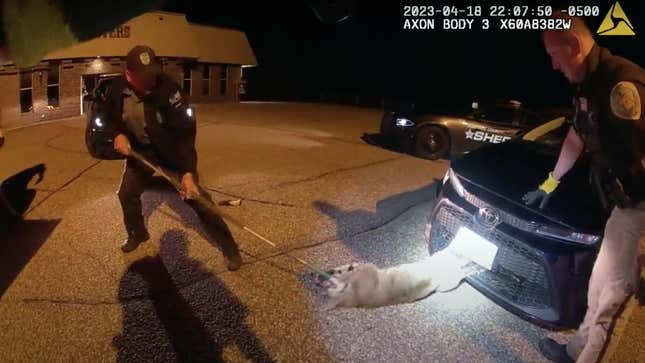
[206, 60]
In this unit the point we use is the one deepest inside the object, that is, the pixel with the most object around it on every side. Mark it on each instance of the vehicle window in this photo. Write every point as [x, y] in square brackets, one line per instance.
[500, 114]
[530, 119]
[551, 133]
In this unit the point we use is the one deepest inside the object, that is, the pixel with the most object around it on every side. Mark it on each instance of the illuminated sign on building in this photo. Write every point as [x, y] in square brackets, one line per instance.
[122, 31]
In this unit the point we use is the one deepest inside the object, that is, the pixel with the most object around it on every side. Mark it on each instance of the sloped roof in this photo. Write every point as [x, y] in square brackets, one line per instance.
[170, 35]
[219, 45]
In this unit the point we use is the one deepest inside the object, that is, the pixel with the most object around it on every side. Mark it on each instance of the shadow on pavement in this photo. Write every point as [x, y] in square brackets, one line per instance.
[19, 245]
[20, 240]
[165, 193]
[16, 196]
[349, 223]
[176, 310]
[640, 293]
[379, 140]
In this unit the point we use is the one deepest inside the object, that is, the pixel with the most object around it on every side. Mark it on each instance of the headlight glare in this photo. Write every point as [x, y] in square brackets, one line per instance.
[582, 238]
[456, 184]
[445, 177]
[404, 122]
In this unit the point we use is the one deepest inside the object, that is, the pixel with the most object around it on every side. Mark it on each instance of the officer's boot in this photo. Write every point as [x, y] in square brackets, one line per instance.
[231, 254]
[554, 351]
[134, 240]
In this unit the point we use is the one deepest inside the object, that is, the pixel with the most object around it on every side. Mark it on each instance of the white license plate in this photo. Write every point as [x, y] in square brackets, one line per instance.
[473, 247]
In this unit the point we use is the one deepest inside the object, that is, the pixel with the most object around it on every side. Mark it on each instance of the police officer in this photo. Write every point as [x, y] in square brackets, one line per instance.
[608, 126]
[150, 111]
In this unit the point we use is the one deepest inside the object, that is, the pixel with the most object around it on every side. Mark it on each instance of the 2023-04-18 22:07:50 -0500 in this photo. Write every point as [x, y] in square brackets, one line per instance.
[493, 17]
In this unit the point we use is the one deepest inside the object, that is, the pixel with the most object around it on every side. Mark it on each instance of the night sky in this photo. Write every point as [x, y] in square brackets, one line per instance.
[371, 56]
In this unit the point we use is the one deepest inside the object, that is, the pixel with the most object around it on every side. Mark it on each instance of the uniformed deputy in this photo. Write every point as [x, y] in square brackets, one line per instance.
[609, 126]
[149, 110]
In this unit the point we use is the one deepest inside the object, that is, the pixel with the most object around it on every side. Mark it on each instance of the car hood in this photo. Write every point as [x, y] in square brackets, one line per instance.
[435, 117]
[501, 174]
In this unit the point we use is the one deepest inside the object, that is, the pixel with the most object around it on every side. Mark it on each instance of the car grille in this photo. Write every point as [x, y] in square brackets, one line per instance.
[504, 216]
[518, 273]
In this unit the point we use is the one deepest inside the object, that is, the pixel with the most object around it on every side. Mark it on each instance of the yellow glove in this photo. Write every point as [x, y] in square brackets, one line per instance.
[549, 184]
[542, 193]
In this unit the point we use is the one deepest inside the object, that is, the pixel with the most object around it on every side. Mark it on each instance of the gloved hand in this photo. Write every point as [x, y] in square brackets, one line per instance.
[542, 193]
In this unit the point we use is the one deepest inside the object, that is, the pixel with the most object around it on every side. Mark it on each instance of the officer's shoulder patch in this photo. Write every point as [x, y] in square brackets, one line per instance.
[625, 101]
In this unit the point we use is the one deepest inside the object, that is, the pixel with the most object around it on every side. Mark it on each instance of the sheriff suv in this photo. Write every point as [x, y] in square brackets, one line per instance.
[538, 261]
[433, 135]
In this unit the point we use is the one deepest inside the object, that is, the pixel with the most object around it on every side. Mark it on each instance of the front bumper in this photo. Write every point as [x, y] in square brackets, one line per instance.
[397, 137]
[534, 277]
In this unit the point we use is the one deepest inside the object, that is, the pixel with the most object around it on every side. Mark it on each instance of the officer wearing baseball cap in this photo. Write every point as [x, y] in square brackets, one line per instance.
[148, 110]
[142, 68]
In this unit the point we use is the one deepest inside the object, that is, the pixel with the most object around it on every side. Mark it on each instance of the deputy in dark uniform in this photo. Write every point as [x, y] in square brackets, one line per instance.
[150, 111]
[609, 127]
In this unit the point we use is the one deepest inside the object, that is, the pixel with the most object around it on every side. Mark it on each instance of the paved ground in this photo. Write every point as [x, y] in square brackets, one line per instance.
[309, 183]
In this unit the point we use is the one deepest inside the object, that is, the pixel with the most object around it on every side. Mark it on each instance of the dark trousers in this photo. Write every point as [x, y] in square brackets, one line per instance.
[133, 183]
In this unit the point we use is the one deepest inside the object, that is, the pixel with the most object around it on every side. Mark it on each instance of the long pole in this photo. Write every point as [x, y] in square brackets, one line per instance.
[205, 203]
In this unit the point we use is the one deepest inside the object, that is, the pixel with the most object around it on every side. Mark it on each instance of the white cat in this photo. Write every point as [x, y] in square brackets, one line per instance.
[365, 285]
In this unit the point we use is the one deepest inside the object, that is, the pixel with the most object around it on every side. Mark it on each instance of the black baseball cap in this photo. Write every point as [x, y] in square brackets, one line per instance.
[142, 62]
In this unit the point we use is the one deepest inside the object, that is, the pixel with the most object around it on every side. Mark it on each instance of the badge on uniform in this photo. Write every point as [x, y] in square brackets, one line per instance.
[175, 100]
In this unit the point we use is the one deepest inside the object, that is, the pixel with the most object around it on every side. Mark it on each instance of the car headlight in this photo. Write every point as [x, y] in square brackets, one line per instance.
[446, 177]
[404, 122]
[98, 122]
[456, 184]
[583, 238]
[189, 112]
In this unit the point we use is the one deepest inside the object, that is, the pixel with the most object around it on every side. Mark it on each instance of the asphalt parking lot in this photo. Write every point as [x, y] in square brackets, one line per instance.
[307, 182]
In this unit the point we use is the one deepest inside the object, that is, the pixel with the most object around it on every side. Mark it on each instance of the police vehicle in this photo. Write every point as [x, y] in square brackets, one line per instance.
[99, 132]
[538, 261]
[433, 136]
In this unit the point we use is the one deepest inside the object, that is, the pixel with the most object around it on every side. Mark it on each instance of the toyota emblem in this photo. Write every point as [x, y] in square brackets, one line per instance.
[488, 217]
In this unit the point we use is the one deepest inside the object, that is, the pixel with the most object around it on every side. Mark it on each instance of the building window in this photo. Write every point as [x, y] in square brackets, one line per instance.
[26, 100]
[206, 80]
[187, 79]
[53, 84]
[223, 79]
